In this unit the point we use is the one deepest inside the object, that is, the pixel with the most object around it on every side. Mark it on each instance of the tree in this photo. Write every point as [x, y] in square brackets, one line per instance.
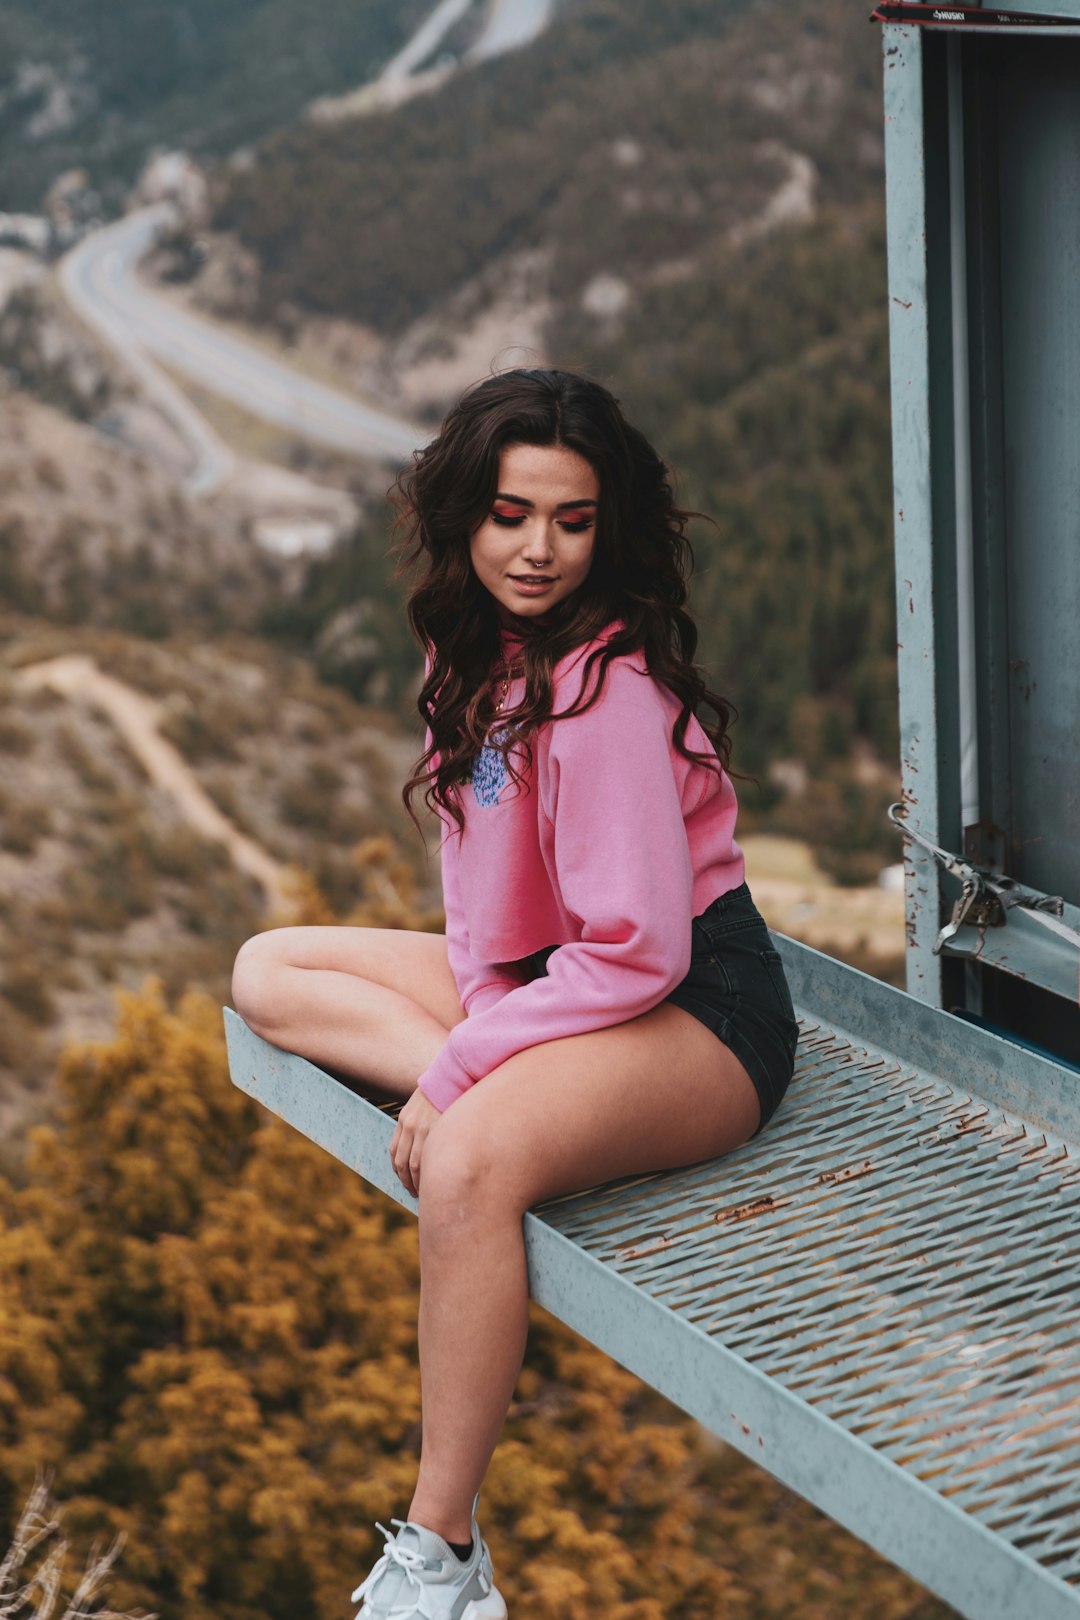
[208, 1335]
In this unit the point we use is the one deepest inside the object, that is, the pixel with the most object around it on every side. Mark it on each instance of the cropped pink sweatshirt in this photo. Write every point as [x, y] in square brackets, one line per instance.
[617, 844]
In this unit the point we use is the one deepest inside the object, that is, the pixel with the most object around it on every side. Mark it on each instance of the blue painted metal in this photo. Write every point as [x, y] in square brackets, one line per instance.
[983, 190]
[1049, 8]
[1039, 113]
[878, 1299]
[895, 1026]
[1025, 948]
[917, 607]
[1007, 1034]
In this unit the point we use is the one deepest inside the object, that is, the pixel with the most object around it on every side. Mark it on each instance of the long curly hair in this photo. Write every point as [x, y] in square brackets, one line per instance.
[641, 564]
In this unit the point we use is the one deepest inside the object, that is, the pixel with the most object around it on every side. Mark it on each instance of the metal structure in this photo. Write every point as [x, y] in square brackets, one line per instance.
[983, 166]
[879, 1298]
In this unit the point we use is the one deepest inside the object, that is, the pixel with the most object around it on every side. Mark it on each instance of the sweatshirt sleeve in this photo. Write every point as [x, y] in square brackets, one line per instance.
[479, 984]
[623, 867]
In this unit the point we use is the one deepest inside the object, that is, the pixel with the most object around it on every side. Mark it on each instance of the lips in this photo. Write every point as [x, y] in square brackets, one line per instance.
[540, 579]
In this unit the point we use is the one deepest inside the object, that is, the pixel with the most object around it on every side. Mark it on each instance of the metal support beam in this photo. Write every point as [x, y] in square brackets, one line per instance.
[916, 605]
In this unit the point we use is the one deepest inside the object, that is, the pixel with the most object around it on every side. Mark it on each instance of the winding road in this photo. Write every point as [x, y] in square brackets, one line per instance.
[98, 278]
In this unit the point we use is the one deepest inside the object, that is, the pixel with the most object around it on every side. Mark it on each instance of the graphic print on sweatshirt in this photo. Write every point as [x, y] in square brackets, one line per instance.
[490, 775]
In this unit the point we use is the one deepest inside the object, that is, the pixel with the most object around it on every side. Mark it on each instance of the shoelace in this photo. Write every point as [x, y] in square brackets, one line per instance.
[406, 1558]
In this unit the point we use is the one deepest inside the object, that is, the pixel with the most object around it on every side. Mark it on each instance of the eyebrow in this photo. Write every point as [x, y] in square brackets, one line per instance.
[519, 500]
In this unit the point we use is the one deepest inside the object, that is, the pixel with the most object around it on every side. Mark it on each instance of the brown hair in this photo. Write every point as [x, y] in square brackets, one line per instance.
[641, 563]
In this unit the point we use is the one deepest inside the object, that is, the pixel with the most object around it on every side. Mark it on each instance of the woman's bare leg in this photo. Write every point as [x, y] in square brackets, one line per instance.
[374, 1004]
[658, 1091]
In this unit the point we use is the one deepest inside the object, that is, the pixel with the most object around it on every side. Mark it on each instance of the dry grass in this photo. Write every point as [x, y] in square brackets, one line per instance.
[34, 1569]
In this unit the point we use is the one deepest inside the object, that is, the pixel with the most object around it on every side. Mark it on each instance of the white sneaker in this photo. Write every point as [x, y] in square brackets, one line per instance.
[420, 1577]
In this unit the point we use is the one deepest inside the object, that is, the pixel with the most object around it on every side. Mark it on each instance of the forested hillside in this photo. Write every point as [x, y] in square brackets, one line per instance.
[99, 85]
[627, 138]
[696, 191]
[208, 1330]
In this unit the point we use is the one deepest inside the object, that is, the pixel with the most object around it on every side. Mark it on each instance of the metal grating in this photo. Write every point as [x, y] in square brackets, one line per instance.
[904, 1257]
[878, 1299]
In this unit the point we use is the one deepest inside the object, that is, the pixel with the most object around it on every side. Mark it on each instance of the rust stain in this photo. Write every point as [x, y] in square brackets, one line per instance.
[850, 1172]
[905, 303]
[746, 1212]
[1015, 665]
[650, 1248]
[969, 1122]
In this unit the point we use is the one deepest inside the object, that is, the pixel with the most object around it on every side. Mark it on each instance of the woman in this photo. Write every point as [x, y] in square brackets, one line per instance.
[607, 999]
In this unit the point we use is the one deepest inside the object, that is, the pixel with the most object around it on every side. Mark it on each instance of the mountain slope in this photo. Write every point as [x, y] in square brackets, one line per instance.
[105, 874]
[693, 196]
[98, 86]
[621, 136]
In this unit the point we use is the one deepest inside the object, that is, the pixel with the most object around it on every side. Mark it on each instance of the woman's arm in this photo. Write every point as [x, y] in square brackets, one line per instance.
[623, 866]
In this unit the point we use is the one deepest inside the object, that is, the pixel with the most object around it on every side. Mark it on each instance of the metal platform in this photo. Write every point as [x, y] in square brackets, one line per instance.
[878, 1299]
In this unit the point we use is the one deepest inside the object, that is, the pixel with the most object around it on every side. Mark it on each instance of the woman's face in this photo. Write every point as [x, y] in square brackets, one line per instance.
[535, 546]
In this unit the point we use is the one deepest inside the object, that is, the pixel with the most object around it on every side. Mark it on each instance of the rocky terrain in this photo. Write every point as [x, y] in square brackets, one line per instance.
[107, 871]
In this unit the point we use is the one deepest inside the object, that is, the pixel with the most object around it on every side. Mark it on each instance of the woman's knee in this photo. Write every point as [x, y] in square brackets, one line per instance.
[464, 1180]
[256, 979]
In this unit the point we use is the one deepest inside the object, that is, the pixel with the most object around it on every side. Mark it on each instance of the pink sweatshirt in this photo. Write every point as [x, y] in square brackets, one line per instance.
[618, 844]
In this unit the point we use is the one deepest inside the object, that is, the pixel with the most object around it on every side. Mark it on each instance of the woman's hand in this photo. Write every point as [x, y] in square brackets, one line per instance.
[407, 1143]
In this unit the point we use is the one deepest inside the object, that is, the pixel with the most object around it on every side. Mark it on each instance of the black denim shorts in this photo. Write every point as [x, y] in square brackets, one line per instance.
[737, 987]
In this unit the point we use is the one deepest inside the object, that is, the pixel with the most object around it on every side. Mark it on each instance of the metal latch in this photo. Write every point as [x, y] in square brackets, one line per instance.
[977, 906]
[986, 896]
